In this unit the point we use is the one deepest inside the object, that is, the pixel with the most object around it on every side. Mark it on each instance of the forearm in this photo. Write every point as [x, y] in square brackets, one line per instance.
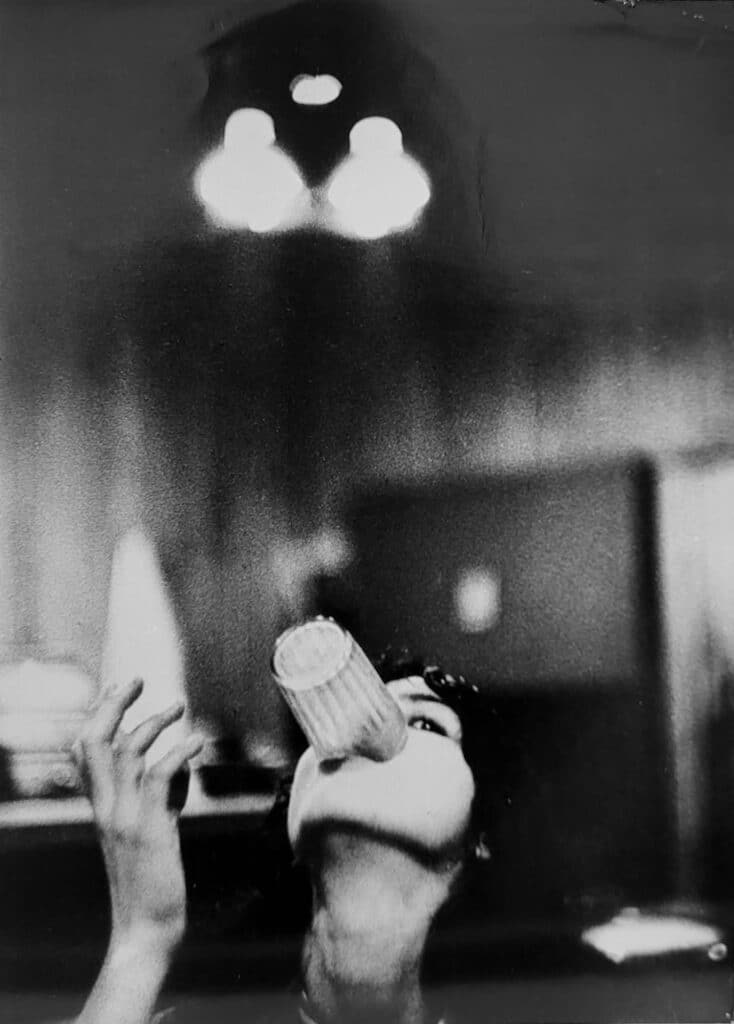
[129, 982]
[140, 842]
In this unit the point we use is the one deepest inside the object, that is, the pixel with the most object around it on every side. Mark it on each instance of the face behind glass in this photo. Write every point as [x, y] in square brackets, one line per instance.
[421, 798]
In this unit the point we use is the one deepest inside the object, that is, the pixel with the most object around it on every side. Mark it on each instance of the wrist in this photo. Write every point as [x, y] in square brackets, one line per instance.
[131, 979]
[146, 944]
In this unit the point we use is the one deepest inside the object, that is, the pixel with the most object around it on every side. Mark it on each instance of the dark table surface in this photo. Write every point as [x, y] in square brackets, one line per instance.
[516, 967]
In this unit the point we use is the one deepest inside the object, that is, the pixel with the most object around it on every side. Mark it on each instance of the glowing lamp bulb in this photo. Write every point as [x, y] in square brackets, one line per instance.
[249, 183]
[248, 129]
[378, 189]
[315, 90]
[375, 136]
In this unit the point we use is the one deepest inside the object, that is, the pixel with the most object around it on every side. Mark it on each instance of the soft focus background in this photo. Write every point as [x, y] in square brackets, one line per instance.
[504, 440]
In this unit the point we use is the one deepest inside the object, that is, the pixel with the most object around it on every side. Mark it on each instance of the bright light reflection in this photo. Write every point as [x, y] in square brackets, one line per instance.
[378, 189]
[249, 183]
[477, 600]
[315, 90]
[632, 933]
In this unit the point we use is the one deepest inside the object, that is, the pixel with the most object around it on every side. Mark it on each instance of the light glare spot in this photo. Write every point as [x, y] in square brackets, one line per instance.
[477, 600]
[315, 90]
[630, 936]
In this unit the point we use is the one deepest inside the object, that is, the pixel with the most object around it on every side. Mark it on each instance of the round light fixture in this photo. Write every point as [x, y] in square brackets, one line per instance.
[249, 183]
[379, 189]
[315, 90]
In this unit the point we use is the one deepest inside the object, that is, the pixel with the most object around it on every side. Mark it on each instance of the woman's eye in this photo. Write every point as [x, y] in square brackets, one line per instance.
[427, 724]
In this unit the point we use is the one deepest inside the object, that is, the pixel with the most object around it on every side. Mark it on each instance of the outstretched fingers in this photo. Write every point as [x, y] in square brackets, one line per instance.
[159, 776]
[142, 738]
[94, 748]
[102, 726]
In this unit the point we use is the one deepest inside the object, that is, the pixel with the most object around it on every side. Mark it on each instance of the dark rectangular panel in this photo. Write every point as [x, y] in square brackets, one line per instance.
[568, 552]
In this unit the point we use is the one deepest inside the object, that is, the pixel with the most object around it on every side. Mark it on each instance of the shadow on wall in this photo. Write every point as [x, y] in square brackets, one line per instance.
[7, 789]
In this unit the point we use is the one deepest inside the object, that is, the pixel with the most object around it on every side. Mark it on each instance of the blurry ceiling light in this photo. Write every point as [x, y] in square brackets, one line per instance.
[315, 90]
[249, 182]
[373, 136]
[247, 129]
[378, 189]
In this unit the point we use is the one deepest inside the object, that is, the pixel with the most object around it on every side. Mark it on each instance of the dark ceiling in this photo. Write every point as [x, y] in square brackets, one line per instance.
[578, 152]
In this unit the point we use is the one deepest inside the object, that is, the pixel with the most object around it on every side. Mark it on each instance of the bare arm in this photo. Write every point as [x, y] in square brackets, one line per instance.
[138, 833]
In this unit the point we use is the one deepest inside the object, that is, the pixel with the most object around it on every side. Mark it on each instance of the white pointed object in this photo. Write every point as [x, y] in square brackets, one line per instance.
[142, 639]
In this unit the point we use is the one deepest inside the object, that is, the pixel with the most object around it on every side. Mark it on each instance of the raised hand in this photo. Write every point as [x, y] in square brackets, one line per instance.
[137, 825]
